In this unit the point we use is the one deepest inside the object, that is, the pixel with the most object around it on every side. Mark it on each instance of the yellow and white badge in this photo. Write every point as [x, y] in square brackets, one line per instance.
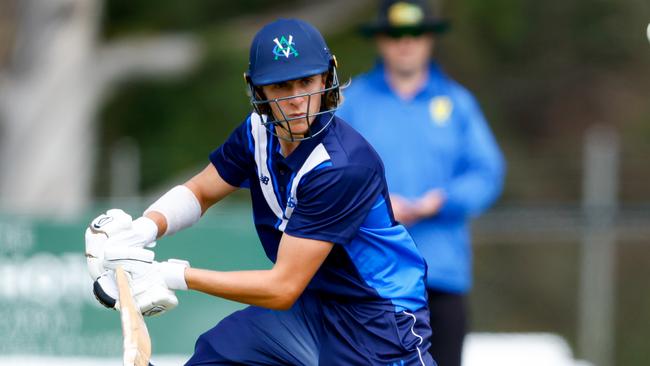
[440, 109]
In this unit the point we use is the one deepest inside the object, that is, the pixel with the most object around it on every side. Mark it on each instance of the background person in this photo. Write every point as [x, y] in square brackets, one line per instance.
[443, 165]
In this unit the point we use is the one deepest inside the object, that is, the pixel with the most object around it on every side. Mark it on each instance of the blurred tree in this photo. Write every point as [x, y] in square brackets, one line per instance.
[544, 71]
[128, 17]
[178, 122]
[51, 85]
[7, 29]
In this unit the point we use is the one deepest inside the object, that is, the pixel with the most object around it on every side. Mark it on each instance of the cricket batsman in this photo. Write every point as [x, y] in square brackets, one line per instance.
[347, 282]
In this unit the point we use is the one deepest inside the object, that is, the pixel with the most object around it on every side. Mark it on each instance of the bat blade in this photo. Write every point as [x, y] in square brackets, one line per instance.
[137, 343]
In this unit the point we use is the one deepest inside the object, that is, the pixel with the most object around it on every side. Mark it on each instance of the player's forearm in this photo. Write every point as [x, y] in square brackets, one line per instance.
[260, 288]
[183, 205]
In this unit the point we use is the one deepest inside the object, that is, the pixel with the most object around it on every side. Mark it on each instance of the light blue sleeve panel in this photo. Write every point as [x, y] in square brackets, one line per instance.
[388, 260]
[479, 171]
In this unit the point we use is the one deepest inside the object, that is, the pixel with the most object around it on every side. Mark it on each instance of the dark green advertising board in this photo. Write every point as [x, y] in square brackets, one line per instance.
[46, 301]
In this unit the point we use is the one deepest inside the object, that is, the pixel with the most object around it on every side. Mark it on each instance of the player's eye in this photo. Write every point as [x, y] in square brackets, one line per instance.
[307, 81]
[280, 86]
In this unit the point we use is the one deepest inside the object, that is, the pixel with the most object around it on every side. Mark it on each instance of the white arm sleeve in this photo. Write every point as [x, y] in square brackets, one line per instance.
[180, 207]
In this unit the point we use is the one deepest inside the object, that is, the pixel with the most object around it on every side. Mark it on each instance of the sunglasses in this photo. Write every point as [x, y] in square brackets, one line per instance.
[404, 32]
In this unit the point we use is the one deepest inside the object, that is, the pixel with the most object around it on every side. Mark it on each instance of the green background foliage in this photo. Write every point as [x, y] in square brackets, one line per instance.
[543, 72]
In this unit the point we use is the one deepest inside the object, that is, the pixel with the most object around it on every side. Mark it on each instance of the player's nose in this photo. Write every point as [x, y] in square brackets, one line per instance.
[299, 98]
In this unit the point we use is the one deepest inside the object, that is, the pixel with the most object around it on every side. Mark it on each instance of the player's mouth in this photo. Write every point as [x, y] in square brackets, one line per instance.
[297, 115]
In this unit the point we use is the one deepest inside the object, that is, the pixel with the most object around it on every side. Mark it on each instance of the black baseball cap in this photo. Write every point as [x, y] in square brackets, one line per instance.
[405, 17]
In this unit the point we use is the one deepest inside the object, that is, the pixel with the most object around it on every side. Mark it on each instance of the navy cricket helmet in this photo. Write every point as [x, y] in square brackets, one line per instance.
[290, 49]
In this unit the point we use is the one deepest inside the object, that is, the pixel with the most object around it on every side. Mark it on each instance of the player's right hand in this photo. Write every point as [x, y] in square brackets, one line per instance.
[139, 263]
[150, 292]
[116, 228]
[151, 301]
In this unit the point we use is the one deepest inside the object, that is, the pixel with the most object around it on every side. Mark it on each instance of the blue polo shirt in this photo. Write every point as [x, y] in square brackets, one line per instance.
[331, 188]
[439, 139]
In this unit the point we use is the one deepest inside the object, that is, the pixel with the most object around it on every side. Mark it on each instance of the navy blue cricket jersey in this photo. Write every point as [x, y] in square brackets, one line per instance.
[331, 188]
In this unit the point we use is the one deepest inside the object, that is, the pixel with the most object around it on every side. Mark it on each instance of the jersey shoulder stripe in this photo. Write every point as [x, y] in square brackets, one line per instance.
[262, 141]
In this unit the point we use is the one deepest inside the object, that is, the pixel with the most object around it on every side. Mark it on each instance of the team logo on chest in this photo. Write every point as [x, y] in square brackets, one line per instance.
[440, 109]
[284, 47]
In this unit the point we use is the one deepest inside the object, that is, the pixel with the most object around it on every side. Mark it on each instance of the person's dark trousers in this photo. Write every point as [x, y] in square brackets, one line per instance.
[448, 313]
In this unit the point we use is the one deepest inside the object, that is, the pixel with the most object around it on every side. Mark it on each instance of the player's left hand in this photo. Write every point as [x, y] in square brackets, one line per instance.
[100, 229]
[141, 234]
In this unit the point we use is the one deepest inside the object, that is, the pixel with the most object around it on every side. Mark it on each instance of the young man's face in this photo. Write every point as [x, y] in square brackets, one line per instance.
[297, 107]
[407, 54]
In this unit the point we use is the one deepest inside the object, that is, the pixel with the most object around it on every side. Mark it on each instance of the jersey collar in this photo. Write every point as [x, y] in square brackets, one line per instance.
[297, 158]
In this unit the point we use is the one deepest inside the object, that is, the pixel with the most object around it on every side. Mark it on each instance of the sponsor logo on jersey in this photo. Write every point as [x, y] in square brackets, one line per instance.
[440, 109]
[264, 179]
[284, 47]
[291, 202]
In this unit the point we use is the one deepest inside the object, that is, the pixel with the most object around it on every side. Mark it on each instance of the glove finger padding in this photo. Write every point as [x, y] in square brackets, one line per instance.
[142, 233]
[111, 223]
[152, 297]
[105, 290]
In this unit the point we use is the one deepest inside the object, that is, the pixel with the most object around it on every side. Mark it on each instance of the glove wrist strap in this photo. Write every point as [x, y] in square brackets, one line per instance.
[174, 273]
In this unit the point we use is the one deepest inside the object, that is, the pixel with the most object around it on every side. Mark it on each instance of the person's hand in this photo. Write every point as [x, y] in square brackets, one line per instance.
[430, 204]
[150, 298]
[151, 282]
[404, 210]
[100, 229]
[141, 234]
[409, 212]
[116, 228]
[139, 263]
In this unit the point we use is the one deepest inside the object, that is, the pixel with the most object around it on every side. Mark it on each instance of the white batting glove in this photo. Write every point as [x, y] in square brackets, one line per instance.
[173, 272]
[98, 232]
[141, 234]
[116, 228]
[151, 282]
[139, 263]
[151, 300]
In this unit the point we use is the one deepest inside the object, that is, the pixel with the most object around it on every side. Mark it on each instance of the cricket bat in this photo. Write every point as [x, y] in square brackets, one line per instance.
[137, 343]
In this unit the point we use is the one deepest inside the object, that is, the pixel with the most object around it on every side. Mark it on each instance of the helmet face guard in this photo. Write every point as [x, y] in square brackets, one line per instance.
[329, 102]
